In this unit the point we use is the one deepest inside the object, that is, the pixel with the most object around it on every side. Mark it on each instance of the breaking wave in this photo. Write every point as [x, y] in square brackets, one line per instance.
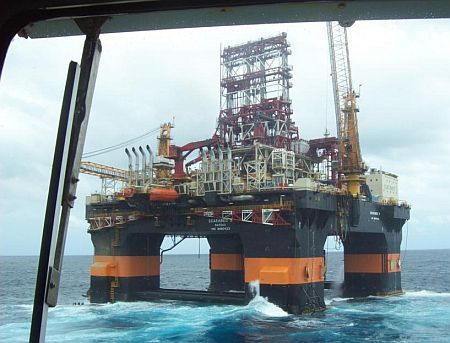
[426, 294]
[266, 308]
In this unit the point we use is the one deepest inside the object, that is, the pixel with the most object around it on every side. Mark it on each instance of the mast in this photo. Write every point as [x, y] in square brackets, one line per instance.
[351, 165]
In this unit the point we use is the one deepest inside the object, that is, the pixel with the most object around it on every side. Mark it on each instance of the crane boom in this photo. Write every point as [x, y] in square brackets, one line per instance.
[351, 165]
[340, 68]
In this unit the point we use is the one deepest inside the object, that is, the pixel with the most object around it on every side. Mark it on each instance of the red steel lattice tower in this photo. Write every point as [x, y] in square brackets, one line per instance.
[255, 103]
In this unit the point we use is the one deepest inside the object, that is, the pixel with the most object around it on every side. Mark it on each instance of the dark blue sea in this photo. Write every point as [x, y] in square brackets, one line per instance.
[422, 314]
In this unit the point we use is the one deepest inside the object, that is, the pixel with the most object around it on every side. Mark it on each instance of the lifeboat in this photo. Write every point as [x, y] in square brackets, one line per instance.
[163, 194]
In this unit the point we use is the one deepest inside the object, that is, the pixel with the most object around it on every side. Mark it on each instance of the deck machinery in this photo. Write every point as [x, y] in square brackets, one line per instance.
[265, 199]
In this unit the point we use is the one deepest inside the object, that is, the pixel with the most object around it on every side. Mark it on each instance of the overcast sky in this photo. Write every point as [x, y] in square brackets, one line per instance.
[148, 78]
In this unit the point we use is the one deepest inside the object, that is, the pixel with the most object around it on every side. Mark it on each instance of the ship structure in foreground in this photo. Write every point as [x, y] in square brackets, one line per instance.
[265, 199]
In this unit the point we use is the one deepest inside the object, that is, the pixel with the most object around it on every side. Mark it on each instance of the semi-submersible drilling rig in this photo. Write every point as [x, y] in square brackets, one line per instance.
[265, 199]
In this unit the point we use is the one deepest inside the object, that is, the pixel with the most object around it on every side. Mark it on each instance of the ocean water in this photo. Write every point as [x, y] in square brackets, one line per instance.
[422, 314]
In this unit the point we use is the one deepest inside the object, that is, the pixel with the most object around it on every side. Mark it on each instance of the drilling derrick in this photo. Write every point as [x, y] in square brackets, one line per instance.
[351, 165]
[255, 103]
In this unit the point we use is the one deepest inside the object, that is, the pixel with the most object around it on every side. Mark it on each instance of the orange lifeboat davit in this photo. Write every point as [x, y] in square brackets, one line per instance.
[163, 194]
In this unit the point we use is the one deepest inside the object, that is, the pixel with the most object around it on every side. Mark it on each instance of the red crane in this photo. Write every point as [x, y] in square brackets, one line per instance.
[180, 153]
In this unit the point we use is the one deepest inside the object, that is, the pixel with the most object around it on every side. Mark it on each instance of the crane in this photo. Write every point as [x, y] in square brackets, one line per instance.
[164, 149]
[178, 153]
[351, 166]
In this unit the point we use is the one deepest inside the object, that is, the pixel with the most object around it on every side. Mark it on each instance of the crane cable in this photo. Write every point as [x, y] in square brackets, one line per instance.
[119, 145]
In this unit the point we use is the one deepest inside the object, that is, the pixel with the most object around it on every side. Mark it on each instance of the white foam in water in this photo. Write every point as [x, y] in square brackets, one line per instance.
[330, 301]
[266, 308]
[302, 323]
[338, 299]
[261, 305]
[426, 294]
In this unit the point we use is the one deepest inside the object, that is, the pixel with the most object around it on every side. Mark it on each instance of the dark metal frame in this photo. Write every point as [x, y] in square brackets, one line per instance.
[64, 177]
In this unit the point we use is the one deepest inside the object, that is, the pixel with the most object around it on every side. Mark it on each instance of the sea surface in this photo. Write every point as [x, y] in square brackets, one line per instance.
[422, 314]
